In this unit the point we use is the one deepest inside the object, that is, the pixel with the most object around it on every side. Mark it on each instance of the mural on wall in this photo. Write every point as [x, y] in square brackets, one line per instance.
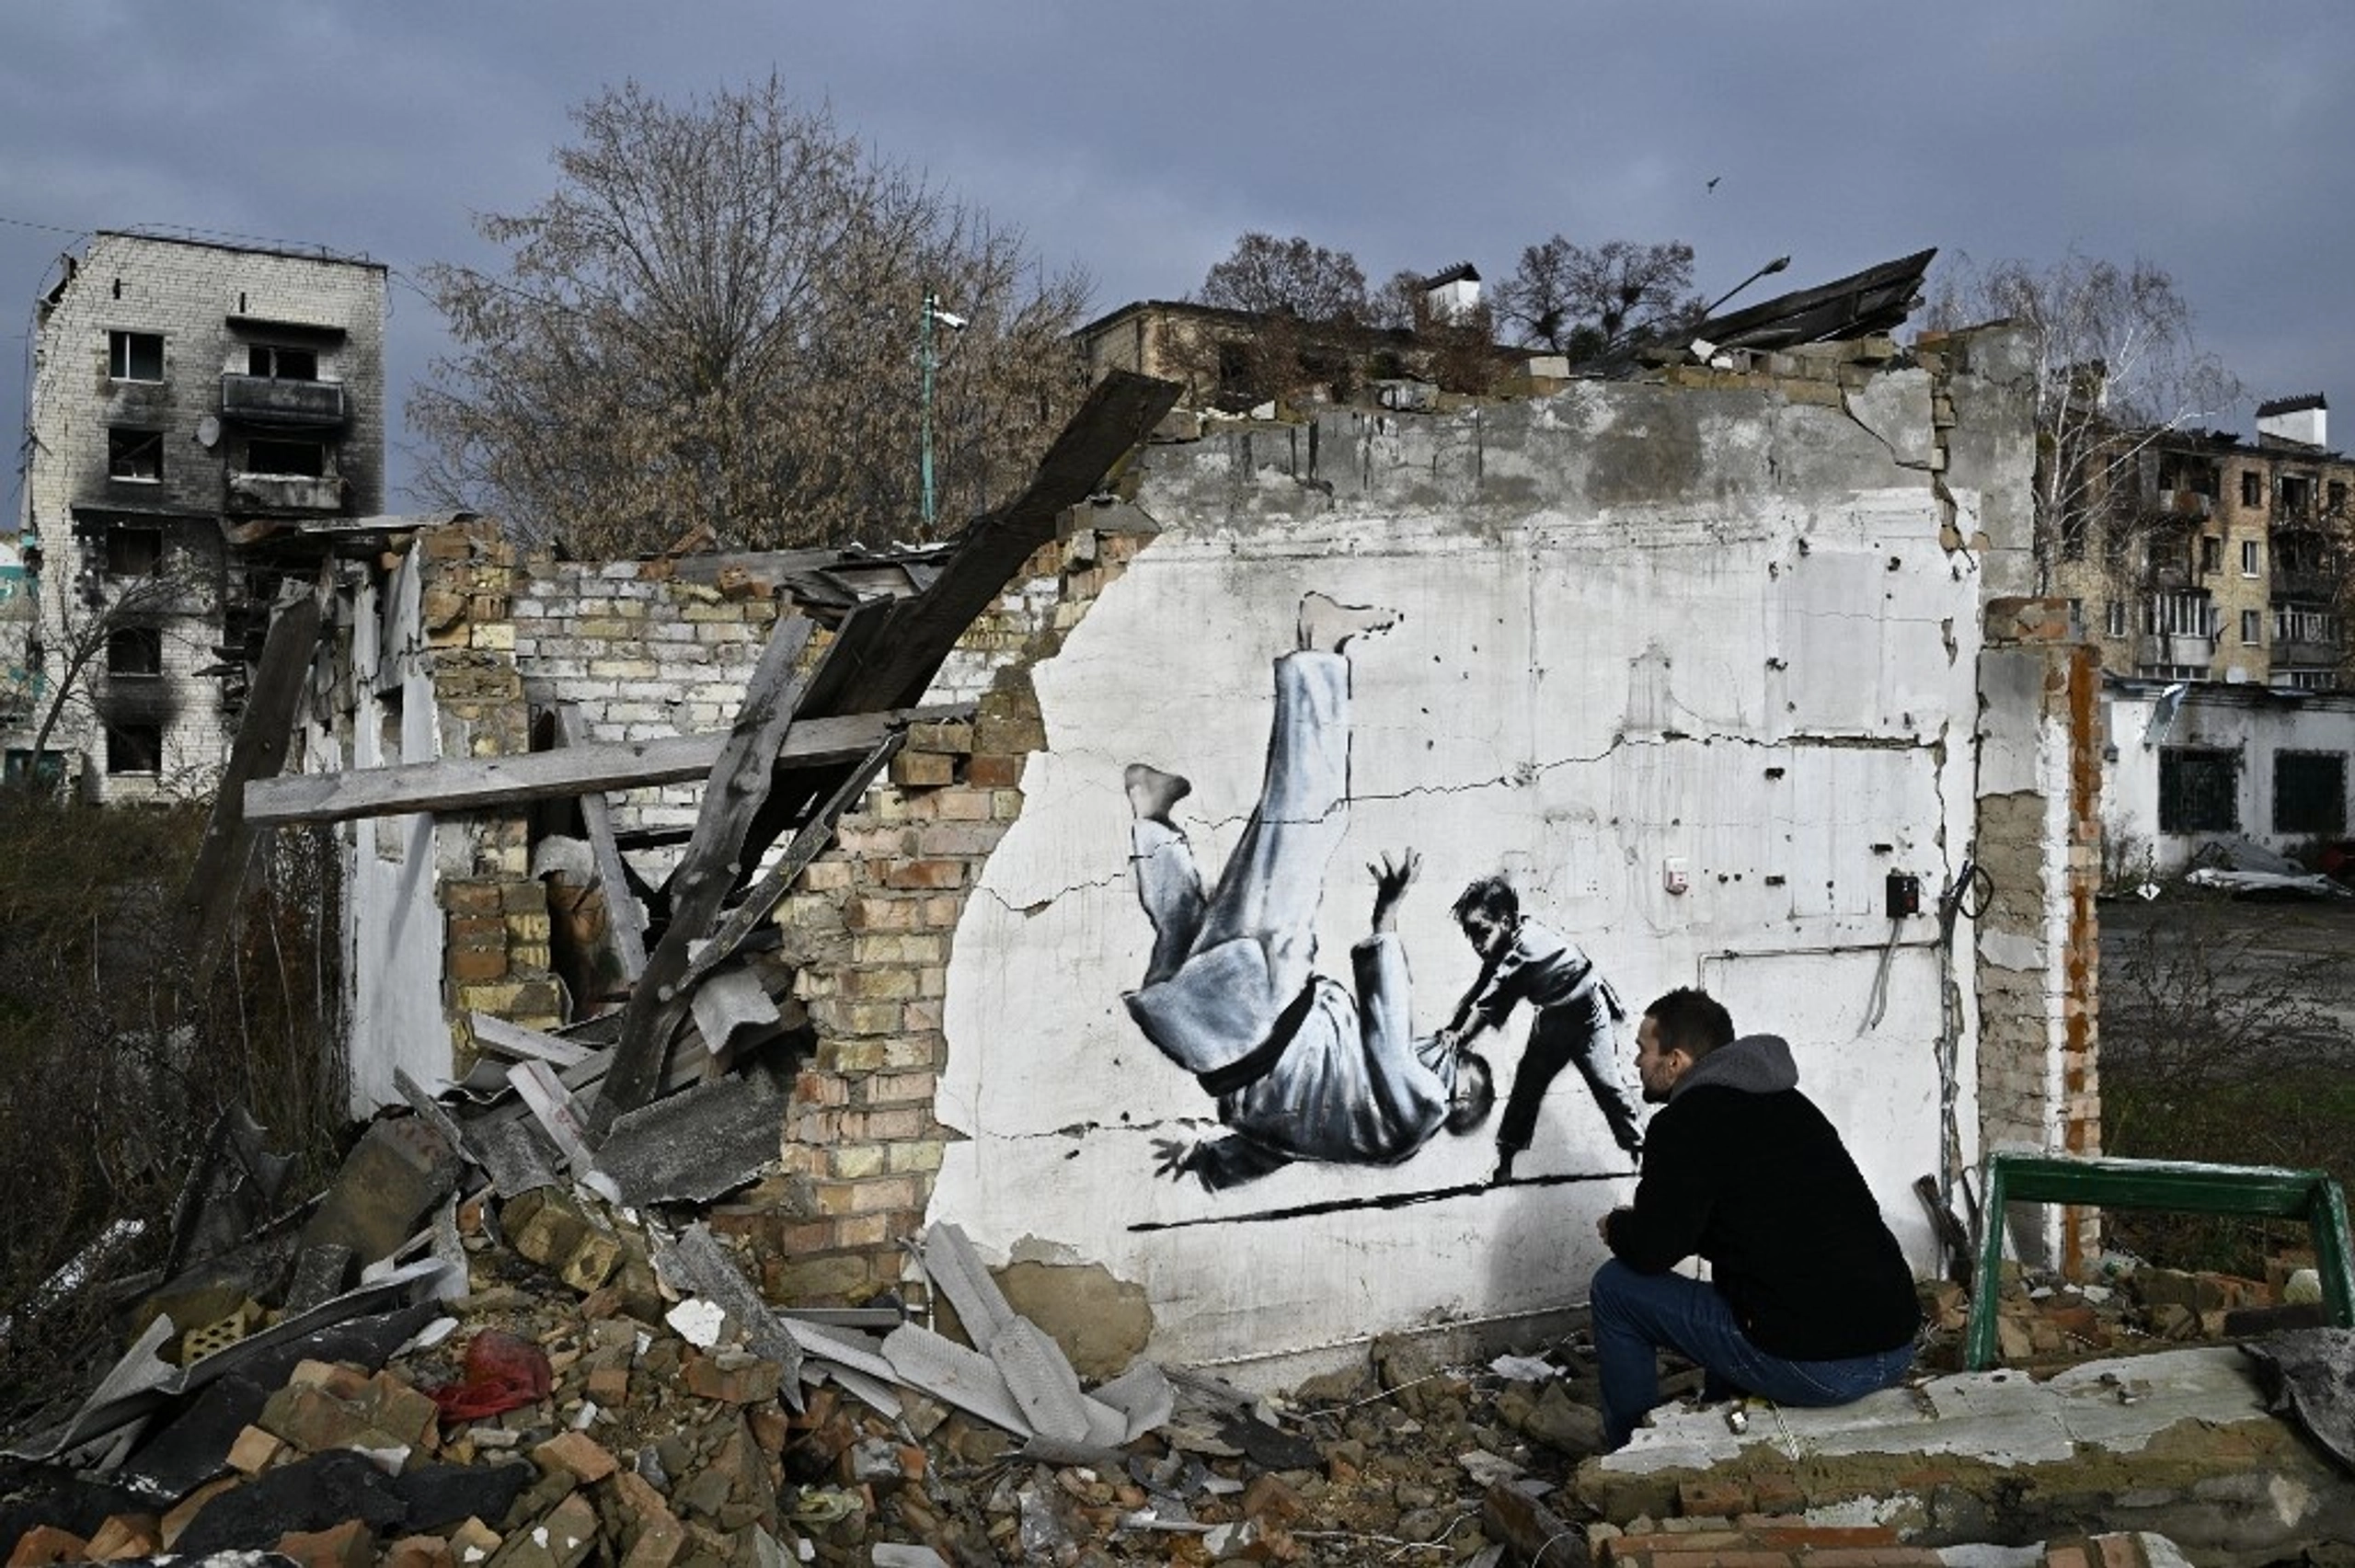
[1302, 1067]
[1576, 1018]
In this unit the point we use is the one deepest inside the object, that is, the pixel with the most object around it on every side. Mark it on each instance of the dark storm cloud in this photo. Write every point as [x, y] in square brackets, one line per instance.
[1137, 142]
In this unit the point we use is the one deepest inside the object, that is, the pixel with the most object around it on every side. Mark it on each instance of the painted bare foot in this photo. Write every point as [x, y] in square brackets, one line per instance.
[1152, 791]
[1327, 625]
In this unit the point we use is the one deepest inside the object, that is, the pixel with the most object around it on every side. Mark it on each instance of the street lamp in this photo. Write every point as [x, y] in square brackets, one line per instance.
[955, 323]
[1766, 272]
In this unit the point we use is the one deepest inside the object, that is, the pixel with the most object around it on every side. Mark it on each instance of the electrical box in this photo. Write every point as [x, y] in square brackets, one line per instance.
[1673, 875]
[1904, 895]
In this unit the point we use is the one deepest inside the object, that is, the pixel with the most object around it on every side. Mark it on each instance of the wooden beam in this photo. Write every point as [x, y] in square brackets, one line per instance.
[738, 783]
[502, 1038]
[815, 835]
[597, 821]
[857, 644]
[208, 905]
[468, 783]
[1120, 412]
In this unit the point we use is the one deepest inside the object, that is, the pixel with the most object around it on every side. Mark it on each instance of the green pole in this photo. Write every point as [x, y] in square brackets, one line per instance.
[929, 305]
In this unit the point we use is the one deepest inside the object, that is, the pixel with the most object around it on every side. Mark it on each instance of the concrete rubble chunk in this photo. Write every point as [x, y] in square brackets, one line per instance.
[401, 1169]
[697, 1262]
[696, 1146]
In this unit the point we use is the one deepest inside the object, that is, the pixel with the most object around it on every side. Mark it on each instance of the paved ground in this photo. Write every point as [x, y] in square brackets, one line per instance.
[2287, 966]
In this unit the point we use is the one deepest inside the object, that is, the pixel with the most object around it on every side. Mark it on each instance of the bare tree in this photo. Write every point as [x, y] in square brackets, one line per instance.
[1456, 351]
[1287, 276]
[103, 626]
[2117, 367]
[1581, 301]
[714, 320]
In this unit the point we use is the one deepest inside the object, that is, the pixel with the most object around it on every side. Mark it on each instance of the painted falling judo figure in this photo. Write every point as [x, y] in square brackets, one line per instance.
[1302, 1068]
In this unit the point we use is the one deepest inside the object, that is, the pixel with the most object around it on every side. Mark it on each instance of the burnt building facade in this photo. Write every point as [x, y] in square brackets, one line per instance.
[192, 404]
[2200, 555]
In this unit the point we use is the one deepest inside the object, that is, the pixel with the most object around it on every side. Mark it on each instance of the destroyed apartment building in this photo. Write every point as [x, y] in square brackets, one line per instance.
[790, 933]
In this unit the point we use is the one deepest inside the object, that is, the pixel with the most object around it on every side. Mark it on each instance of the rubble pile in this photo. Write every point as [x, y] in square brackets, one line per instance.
[2043, 1319]
[570, 1389]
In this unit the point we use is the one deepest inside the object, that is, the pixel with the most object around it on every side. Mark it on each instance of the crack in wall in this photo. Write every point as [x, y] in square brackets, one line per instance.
[1523, 776]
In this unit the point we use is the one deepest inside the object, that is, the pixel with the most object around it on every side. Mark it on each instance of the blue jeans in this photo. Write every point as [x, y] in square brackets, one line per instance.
[1635, 1314]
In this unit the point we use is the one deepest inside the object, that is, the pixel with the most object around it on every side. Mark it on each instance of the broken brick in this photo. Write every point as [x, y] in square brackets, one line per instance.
[346, 1545]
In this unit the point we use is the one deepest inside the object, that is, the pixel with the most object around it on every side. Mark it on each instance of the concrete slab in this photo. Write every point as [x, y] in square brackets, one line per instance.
[2179, 1442]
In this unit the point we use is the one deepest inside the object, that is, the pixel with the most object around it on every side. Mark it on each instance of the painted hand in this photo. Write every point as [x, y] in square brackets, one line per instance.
[1176, 1158]
[1390, 880]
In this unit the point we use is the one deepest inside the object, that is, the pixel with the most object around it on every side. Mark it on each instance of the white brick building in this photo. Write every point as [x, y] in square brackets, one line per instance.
[192, 404]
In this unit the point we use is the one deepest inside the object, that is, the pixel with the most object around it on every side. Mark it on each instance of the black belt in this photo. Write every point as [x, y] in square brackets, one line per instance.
[1249, 1069]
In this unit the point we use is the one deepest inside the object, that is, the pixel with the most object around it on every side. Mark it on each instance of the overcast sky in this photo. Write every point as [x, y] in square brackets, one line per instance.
[1139, 141]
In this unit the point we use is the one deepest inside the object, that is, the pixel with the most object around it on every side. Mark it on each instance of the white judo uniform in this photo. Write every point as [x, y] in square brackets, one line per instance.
[1302, 1068]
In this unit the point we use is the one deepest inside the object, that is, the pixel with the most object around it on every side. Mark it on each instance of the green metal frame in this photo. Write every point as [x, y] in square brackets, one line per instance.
[2264, 1191]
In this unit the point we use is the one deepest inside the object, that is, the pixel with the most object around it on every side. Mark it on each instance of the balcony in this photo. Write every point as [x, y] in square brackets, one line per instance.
[286, 492]
[2305, 651]
[266, 400]
[2191, 506]
[2181, 648]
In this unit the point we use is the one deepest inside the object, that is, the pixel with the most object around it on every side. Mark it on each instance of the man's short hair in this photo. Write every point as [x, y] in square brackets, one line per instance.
[1474, 1095]
[1689, 1019]
[1491, 896]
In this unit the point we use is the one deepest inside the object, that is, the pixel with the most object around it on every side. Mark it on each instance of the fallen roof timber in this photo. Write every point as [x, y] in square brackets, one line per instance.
[470, 782]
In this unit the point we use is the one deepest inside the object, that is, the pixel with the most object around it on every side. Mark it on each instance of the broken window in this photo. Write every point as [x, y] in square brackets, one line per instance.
[282, 363]
[2297, 493]
[135, 454]
[134, 748]
[2338, 493]
[2198, 790]
[23, 765]
[136, 356]
[2252, 558]
[2252, 628]
[2303, 623]
[2310, 792]
[2182, 470]
[2119, 618]
[304, 460]
[2252, 488]
[134, 550]
[135, 650]
[2212, 553]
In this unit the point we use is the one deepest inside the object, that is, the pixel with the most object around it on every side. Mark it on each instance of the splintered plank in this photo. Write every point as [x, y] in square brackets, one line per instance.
[597, 820]
[737, 783]
[264, 733]
[472, 783]
[1121, 411]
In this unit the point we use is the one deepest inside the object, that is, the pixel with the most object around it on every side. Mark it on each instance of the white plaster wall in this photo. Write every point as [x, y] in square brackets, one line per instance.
[2257, 725]
[1774, 684]
[392, 919]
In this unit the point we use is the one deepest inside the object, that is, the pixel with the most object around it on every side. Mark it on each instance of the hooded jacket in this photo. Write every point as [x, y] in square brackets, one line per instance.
[1741, 1168]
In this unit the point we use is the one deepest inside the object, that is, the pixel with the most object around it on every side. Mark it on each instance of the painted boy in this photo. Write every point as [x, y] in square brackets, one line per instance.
[1522, 960]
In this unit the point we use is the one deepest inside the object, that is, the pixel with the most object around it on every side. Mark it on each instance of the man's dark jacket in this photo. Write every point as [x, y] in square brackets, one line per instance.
[1742, 1168]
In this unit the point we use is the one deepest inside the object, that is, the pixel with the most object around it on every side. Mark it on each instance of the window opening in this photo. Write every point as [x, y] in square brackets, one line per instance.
[2198, 791]
[2310, 792]
[305, 460]
[135, 455]
[136, 356]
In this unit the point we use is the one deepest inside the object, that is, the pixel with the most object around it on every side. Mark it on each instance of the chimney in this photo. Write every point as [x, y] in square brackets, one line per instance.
[2304, 422]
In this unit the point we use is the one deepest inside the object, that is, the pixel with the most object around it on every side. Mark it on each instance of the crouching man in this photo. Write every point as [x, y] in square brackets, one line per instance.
[1810, 1300]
